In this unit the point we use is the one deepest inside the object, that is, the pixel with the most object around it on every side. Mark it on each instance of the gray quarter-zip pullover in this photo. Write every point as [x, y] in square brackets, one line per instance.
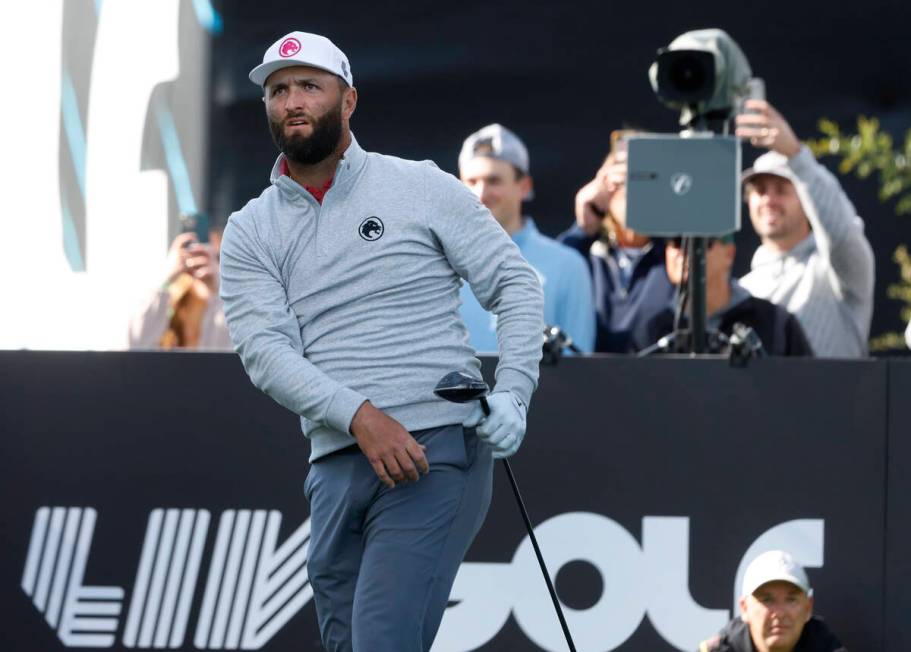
[357, 299]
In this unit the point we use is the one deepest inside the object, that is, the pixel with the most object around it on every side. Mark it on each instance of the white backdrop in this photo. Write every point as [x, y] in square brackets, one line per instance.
[45, 303]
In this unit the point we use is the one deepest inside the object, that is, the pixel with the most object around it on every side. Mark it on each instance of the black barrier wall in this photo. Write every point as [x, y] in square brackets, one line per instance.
[898, 515]
[155, 500]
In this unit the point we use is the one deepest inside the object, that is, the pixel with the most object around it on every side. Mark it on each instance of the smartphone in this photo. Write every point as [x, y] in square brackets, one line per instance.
[619, 140]
[197, 223]
[755, 91]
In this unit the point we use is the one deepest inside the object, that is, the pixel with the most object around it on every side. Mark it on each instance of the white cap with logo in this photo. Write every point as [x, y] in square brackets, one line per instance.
[303, 49]
[774, 566]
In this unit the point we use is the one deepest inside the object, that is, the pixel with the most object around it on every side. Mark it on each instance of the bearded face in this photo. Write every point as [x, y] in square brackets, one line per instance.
[321, 142]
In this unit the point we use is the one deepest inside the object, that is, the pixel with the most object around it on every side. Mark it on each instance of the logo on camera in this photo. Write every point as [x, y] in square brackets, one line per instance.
[681, 183]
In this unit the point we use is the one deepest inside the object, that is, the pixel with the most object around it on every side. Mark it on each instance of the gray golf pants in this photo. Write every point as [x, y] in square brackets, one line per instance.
[382, 561]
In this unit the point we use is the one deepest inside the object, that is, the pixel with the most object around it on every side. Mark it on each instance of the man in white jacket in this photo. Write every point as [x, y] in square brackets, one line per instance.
[814, 259]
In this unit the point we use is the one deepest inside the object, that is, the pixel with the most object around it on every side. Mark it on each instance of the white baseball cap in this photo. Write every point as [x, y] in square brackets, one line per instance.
[770, 163]
[302, 49]
[774, 566]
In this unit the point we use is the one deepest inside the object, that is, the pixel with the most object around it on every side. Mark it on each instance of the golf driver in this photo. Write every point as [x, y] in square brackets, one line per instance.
[458, 387]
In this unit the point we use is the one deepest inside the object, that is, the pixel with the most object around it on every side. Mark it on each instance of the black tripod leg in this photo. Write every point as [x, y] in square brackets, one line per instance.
[534, 543]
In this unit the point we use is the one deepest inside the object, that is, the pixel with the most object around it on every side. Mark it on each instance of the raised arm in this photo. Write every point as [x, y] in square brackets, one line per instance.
[838, 230]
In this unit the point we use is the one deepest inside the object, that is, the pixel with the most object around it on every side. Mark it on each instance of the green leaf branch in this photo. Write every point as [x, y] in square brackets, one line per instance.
[866, 152]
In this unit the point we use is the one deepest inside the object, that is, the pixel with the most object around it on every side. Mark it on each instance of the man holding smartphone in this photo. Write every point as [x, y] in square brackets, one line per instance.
[185, 311]
[629, 278]
[814, 259]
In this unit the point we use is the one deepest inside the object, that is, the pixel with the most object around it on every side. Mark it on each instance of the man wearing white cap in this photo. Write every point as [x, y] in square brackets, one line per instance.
[493, 163]
[776, 612]
[814, 259]
[341, 291]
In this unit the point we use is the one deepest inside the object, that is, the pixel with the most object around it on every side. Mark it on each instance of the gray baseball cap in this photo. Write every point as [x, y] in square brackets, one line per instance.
[495, 141]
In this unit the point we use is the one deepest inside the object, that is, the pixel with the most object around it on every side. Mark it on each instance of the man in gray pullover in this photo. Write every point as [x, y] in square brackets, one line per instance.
[341, 291]
[814, 259]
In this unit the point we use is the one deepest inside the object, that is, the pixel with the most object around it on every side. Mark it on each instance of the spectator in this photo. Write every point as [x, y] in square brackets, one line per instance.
[186, 311]
[814, 259]
[630, 282]
[776, 612]
[727, 304]
[493, 163]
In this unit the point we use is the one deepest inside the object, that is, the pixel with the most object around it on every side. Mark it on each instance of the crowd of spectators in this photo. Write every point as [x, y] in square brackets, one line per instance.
[609, 289]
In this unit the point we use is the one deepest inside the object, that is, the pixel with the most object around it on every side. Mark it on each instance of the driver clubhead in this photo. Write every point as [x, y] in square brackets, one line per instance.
[459, 387]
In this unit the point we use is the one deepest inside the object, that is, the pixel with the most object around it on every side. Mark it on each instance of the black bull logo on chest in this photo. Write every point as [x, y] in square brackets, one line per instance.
[371, 227]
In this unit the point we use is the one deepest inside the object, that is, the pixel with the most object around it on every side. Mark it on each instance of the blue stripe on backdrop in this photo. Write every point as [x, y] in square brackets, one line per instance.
[75, 138]
[177, 166]
[70, 237]
[72, 125]
[207, 16]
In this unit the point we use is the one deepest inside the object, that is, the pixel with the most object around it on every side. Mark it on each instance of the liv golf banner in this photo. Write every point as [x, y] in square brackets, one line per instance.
[154, 501]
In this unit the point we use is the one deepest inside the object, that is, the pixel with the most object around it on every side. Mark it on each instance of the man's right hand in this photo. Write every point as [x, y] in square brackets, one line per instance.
[766, 127]
[178, 254]
[591, 206]
[593, 198]
[187, 256]
[394, 454]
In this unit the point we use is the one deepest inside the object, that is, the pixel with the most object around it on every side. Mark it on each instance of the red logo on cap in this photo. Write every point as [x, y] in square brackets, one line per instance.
[289, 47]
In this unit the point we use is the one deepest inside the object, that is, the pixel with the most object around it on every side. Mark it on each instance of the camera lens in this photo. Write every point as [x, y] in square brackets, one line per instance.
[687, 74]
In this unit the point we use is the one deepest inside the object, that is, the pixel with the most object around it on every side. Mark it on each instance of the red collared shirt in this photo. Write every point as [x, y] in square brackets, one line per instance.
[318, 193]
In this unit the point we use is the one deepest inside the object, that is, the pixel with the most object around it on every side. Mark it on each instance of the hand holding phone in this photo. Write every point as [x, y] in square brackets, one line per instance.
[755, 91]
[196, 223]
[766, 128]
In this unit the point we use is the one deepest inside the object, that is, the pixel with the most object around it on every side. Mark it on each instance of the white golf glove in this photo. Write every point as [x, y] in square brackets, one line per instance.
[504, 428]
